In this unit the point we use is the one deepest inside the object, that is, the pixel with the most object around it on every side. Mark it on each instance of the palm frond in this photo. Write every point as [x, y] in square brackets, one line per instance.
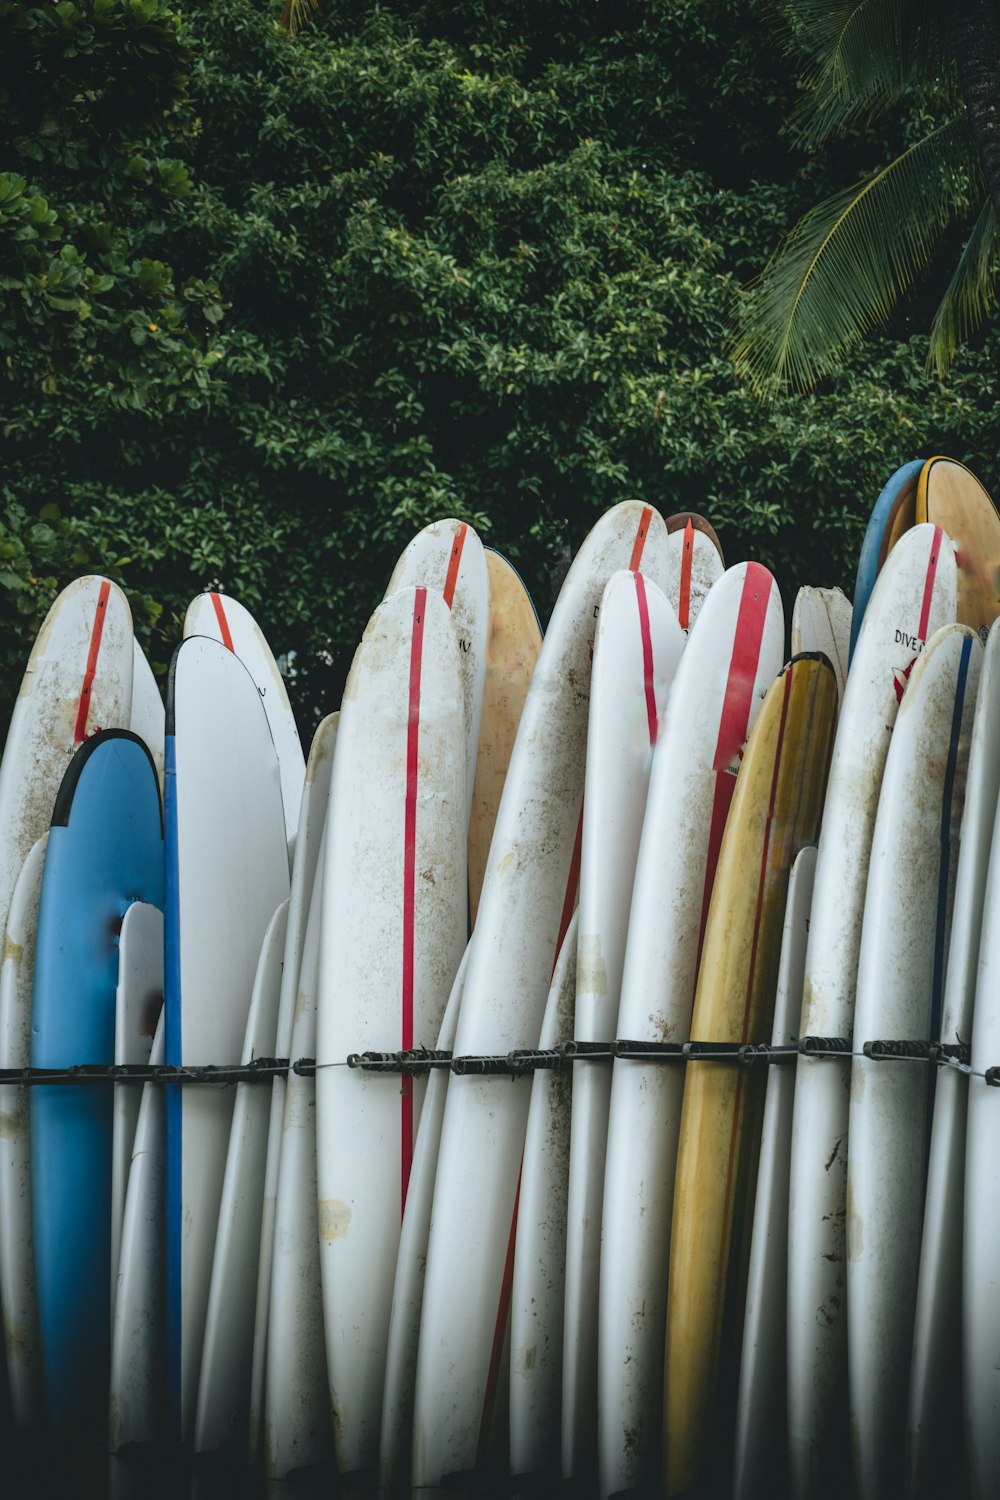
[848, 261]
[971, 293]
[295, 14]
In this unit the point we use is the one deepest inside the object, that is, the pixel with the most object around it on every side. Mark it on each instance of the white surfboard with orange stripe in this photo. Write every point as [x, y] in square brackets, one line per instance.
[915, 595]
[393, 934]
[223, 618]
[528, 897]
[733, 654]
[640, 638]
[695, 562]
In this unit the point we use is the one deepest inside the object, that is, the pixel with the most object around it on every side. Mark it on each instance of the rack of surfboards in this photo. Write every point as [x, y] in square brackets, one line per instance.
[579, 1066]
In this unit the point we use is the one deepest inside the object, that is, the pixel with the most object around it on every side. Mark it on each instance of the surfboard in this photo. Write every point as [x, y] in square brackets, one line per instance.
[680, 519]
[900, 991]
[312, 821]
[105, 850]
[893, 514]
[775, 812]
[529, 890]
[636, 651]
[138, 1002]
[227, 870]
[17, 1261]
[821, 621]
[760, 1430]
[915, 595]
[536, 1307]
[733, 654]
[223, 618]
[148, 716]
[513, 642]
[408, 1287]
[222, 1412]
[392, 936]
[448, 557]
[136, 1408]
[950, 496]
[695, 562]
[935, 1373]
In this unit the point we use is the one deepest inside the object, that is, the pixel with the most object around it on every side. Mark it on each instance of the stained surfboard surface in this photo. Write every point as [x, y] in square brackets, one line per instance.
[775, 812]
[821, 621]
[894, 512]
[950, 496]
[732, 656]
[105, 850]
[148, 717]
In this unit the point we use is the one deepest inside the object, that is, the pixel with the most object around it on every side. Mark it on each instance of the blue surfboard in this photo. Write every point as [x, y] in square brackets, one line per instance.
[105, 851]
[900, 486]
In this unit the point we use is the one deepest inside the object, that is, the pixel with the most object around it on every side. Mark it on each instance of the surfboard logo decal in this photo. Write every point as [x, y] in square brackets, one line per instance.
[640, 538]
[454, 563]
[647, 655]
[220, 615]
[687, 556]
[901, 675]
[90, 671]
[409, 874]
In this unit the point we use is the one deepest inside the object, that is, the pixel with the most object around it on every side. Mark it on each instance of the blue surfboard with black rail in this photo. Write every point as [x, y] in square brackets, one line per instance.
[901, 487]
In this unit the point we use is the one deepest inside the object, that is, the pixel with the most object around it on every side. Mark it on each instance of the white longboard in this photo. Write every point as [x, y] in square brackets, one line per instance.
[694, 564]
[148, 719]
[935, 1374]
[904, 947]
[223, 618]
[17, 1261]
[537, 1296]
[636, 651]
[223, 1410]
[138, 1002]
[821, 621]
[528, 896]
[392, 937]
[448, 556]
[308, 840]
[915, 594]
[227, 872]
[733, 654]
[408, 1287]
[760, 1435]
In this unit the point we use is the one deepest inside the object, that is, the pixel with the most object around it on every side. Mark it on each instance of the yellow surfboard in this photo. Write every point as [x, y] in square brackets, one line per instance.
[511, 649]
[775, 812]
[950, 496]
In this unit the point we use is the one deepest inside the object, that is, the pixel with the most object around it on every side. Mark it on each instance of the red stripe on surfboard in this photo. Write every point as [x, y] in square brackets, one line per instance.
[454, 561]
[220, 615]
[409, 874]
[90, 671]
[647, 655]
[569, 899]
[929, 577]
[687, 555]
[499, 1330]
[640, 538]
[737, 703]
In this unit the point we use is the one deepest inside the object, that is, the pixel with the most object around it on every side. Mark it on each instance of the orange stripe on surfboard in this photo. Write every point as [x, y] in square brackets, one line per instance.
[454, 562]
[220, 615]
[647, 656]
[640, 538]
[90, 671]
[409, 876]
[687, 555]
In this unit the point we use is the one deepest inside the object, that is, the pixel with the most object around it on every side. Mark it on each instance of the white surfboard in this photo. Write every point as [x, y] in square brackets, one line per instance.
[148, 714]
[760, 1432]
[308, 840]
[915, 594]
[138, 1326]
[733, 654]
[935, 1374]
[227, 871]
[636, 651]
[900, 987]
[223, 1409]
[448, 556]
[223, 618]
[528, 897]
[392, 937]
[138, 1002]
[536, 1306]
[17, 1262]
[821, 621]
[408, 1287]
[297, 1428]
[695, 562]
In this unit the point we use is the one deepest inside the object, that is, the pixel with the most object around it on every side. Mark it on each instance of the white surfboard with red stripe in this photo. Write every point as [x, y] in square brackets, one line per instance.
[640, 638]
[223, 618]
[528, 897]
[393, 934]
[915, 595]
[695, 562]
[732, 657]
[448, 556]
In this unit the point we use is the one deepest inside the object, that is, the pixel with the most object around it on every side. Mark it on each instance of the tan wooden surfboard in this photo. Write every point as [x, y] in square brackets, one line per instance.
[950, 496]
[775, 812]
[512, 645]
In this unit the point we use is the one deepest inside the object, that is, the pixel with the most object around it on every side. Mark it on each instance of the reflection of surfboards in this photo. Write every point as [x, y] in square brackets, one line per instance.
[893, 513]
[821, 621]
[950, 496]
[775, 812]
